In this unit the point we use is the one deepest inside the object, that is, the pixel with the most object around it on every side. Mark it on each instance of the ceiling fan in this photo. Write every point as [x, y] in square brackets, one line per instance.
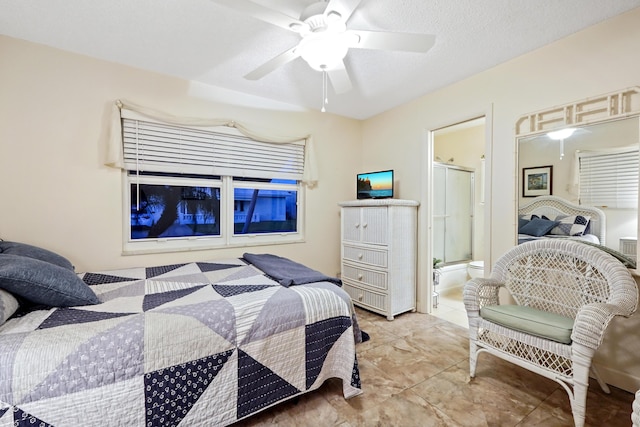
[325, 38]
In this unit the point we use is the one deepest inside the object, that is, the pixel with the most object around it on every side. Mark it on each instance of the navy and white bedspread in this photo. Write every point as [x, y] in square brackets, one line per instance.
[199, 344]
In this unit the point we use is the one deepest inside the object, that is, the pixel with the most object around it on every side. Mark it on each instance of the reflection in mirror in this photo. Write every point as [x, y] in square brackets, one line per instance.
[560, 167]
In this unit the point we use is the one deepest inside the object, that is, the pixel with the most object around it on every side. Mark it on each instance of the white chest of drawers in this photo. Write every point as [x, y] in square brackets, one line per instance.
[379, 245]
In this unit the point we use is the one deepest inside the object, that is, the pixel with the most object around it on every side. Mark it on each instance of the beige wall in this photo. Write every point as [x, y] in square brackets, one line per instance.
[55, 192]
[600, 59]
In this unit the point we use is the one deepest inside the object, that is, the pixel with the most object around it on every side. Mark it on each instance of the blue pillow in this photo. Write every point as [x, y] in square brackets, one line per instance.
[538, 227]
[521, 223]
[43, 283]
[22, 249]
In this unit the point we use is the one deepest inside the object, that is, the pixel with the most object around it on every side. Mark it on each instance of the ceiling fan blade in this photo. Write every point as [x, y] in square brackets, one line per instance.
[272, 64]
[344, 7]
[383, 40]
[340, 79]
[262, 13]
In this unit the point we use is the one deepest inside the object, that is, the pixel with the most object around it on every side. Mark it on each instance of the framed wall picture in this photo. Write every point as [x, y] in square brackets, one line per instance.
[537, 181]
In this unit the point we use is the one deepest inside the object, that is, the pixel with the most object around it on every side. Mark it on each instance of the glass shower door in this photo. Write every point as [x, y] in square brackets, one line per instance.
[452, 213]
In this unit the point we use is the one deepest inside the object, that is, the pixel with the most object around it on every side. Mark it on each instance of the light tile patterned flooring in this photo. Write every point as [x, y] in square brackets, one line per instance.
[415, 372]
[451, 308]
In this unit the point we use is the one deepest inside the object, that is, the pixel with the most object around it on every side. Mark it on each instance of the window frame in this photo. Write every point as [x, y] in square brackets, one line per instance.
[251, 239]
[172, 153]
[226, 239]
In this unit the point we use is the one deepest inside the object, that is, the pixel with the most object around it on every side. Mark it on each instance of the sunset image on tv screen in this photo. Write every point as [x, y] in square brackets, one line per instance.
[375, 185]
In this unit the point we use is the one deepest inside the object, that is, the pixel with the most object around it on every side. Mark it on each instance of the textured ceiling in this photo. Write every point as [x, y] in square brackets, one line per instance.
[202, 41]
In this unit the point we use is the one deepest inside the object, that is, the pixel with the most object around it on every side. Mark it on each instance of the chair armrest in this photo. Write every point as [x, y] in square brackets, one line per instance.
[591, 323]
[480, 292]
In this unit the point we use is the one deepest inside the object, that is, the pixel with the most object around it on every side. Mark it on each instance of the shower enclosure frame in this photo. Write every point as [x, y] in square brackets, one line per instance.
[446, 214]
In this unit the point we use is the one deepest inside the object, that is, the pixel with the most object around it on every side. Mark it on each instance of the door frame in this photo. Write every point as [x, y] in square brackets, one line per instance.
[424, 292]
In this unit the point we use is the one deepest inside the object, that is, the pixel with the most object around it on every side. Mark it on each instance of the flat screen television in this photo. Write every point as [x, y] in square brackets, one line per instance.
[375, 185]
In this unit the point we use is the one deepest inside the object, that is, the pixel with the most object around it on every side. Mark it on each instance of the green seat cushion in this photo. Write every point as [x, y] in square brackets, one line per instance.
[530, 320]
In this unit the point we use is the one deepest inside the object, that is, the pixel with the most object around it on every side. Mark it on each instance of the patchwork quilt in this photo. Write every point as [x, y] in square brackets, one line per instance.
[197, 344]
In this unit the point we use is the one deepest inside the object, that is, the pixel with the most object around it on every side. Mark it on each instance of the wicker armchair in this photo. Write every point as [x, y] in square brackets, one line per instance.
[552, 280]
[635, 410]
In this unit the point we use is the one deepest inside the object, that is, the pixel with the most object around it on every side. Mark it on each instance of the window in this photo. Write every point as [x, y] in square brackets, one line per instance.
[177, 207]
[191, 189]
[270, 208]
[609, 179]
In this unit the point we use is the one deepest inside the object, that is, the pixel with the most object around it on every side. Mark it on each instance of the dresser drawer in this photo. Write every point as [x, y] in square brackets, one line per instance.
[364, 277]
[364, 298]
[364, 255]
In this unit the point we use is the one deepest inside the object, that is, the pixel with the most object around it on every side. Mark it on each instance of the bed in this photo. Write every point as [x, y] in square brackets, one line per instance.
[195, 344]
[557, 218]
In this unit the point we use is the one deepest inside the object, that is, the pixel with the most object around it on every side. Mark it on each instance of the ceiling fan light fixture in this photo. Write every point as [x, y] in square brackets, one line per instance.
[325, 39]
[561, 134]
[323, 51]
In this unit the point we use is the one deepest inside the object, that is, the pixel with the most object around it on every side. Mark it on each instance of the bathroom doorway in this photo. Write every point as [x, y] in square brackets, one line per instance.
[458, 212]
[453, 213]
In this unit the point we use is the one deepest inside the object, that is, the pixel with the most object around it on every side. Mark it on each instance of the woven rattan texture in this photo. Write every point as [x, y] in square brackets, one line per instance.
[564, 277]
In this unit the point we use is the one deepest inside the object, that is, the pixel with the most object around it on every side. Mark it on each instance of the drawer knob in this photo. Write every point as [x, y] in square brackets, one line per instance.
[364, 225]
[359, 256]
[360, 297]
[357, 224]
[359, 276]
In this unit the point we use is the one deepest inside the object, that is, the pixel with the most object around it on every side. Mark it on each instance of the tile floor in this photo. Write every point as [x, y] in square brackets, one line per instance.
[415, 372]
[450, 307]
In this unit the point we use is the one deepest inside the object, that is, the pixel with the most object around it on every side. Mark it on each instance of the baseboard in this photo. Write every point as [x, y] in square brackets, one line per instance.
[619, 379]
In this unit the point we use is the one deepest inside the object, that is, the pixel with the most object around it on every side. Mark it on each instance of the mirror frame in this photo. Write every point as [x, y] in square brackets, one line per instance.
[613, 105]
[621, 104]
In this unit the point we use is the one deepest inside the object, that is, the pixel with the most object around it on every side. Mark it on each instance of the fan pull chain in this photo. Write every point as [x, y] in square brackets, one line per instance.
[325, 98]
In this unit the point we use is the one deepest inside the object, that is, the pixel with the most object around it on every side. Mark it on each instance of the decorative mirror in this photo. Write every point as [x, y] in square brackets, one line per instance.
[583, 159]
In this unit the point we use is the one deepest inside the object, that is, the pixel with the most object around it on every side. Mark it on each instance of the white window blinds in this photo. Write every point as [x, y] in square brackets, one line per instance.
[610, 179]
[156, 147]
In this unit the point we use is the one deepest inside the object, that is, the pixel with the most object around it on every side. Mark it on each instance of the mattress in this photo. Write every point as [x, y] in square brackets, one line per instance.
[196, 344]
